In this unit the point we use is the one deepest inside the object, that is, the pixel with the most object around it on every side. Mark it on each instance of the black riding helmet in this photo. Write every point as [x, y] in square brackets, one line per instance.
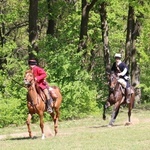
[32, 62]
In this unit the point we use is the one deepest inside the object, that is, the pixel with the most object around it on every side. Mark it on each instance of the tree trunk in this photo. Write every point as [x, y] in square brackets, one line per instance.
[51, 22]
[131, 52]
[104, 28]
[130, 26]
[33, 34]
[86, 7]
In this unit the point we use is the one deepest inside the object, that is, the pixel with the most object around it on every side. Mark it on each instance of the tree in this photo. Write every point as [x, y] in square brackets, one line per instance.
[51, 21]
[33, 30]
[133, 31]
[86, 7]
[104, 29]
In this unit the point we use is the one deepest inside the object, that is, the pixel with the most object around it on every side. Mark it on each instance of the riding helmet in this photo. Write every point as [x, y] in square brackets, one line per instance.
[32, 62]
[117, 55]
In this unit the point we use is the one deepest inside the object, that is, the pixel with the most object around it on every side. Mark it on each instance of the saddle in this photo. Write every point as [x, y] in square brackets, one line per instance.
[42, 94]
[52, 93]
[123, 89]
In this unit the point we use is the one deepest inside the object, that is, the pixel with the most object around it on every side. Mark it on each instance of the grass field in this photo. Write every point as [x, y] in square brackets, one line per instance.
[90, 133]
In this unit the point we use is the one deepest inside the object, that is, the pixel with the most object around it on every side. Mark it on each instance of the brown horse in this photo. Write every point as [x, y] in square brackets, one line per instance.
[36, 103]
[117, 98]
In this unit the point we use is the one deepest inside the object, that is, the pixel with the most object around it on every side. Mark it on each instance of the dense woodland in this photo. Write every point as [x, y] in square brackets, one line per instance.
[75, 42]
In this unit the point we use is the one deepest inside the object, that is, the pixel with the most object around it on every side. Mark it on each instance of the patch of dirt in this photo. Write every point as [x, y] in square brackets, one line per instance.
[134, 121]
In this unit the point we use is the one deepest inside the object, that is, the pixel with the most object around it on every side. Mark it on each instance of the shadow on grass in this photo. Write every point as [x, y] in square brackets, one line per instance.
[106, 126]
[20, 138]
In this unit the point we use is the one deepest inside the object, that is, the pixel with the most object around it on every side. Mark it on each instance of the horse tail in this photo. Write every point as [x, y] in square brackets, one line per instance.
[133, 100]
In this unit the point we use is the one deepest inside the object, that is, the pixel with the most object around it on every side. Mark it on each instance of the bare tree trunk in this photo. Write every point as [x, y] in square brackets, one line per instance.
[86, 7]
[51, 22]
[33, 34]
[2, 33]
[104, 28]
[130, 26]
[131, 52]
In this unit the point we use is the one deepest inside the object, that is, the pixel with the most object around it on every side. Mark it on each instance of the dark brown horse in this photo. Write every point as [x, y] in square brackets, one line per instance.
[117, 98]
[36, 103]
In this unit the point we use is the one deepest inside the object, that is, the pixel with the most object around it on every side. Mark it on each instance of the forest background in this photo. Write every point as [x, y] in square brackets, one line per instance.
[75, 41]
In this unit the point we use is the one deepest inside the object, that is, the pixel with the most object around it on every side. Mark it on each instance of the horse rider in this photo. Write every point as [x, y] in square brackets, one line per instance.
[40, 75]
[121, 69]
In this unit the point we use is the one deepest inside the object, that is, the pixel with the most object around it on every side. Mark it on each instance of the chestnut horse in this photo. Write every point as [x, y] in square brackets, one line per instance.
[117, 98]
[36, 103]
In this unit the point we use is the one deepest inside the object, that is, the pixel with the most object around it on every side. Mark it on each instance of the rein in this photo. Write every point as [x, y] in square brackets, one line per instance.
[18, 83]
[15, 80]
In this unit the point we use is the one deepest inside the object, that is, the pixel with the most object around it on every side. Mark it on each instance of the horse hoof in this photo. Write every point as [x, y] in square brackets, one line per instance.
[109, 125]
[128, 123]
[43, 136]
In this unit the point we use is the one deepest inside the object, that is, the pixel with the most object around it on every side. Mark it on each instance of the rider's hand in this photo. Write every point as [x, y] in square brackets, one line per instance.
[118, 74]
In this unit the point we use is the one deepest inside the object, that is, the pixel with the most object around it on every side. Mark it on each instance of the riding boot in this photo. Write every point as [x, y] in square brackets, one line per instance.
[49, 105]
[128, 95]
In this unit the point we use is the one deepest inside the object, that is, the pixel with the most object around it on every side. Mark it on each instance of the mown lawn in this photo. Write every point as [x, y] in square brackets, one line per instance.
[90, 133]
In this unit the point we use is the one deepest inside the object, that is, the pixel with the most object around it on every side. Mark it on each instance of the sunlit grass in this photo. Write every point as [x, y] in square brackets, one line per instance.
[90, 133]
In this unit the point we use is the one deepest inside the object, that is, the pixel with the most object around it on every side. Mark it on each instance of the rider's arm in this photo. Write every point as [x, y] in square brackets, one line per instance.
[41, 75]
[123, 72]
[123, 69]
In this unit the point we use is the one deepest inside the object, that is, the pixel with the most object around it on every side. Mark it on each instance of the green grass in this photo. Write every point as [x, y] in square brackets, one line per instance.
[90, 133]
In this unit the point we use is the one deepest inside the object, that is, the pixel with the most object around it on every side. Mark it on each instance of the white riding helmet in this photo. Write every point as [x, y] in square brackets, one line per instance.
[117, 55]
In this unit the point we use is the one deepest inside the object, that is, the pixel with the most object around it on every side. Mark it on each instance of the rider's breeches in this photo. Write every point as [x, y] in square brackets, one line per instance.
[124, 83]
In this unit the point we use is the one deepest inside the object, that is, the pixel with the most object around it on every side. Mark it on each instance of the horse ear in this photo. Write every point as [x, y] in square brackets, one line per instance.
[112, 72]
[107, 73]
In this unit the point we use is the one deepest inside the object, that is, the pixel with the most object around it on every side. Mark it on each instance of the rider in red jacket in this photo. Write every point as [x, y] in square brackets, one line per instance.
[40, 76]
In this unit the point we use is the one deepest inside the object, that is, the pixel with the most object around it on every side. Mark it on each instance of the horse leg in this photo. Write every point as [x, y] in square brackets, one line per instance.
[114, 114]
[104, 111]
[105, 106]
[28, 124]
[130, 107]
[129, 114]
[55, 117]
[42, 124]
[112, 118]
[117, 113]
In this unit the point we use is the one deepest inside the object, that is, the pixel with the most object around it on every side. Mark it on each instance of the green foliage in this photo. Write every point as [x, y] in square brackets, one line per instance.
[64, 69]
[83, 91]
[12, 102]
[143, 45]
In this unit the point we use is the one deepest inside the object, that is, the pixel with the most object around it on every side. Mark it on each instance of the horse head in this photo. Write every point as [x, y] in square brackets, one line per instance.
[28, 78]
[113, 80]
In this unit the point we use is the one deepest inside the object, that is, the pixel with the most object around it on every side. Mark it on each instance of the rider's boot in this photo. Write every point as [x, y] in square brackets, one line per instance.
[49, 105]
[128, 95]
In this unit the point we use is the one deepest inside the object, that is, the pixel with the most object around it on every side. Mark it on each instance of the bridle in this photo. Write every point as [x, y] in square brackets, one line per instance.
[30, 81]
[113, 78]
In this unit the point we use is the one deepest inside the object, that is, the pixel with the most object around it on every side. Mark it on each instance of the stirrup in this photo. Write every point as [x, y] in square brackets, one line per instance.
[49, 110]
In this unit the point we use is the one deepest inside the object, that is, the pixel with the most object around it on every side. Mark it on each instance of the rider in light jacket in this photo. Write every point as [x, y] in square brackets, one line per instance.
[121, 69]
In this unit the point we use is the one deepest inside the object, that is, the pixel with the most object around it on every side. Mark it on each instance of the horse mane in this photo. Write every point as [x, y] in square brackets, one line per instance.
[28, 71]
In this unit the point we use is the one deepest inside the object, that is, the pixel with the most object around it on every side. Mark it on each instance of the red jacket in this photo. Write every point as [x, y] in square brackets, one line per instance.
[40, 76]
